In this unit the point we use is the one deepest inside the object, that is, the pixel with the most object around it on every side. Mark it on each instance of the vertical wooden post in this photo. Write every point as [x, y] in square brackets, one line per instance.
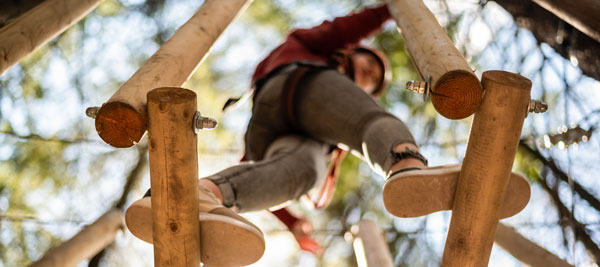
[121, 121]
[374, 249]
[456, 91]
[524, 250]
[84, 244]
[174, 177]
[38, 26]
[486, 169]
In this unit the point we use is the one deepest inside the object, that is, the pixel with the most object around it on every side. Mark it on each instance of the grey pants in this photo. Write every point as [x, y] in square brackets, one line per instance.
[284, 163]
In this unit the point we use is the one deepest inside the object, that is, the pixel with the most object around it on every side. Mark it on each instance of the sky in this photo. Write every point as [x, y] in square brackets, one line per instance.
[475, 34]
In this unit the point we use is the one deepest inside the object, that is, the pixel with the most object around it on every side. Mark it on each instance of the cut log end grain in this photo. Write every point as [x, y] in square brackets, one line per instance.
[172, 95]
[457, 94]
[120, 125]
[505, 78]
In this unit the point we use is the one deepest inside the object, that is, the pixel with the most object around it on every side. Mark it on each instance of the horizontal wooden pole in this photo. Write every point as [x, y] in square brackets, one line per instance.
[121, 121]
[486, 169]
[525, 250]
[456, 91]
[374, 248]
[174, 177]
[582, 14]
[38, 26]
[85, 244]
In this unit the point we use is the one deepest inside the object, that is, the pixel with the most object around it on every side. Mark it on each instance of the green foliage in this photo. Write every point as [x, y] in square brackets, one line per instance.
[42, 165]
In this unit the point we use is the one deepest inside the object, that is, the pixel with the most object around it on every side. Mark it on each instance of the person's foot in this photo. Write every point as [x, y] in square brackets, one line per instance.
[415, 193]
[226, 238]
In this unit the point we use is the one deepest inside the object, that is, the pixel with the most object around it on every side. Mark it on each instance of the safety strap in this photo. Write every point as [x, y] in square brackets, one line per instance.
[290, 88]
[333, 171]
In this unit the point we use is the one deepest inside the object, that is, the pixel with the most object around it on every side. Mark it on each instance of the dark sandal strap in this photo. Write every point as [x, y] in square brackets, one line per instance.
[147, 193]
[403, 170]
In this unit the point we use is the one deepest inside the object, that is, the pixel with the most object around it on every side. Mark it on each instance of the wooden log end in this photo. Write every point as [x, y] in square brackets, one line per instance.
[457, 94]
[120, 125]
[171, 95]
[506, 78]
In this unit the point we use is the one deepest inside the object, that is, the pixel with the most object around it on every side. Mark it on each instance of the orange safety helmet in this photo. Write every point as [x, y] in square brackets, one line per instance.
[383, 62]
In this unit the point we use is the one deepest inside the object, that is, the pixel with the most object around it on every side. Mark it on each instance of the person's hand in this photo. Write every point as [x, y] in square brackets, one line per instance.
[301, 231]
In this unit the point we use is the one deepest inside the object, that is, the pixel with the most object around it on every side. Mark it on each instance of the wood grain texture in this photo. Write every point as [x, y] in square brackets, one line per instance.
[486, 168]
[174, 177]
[525, 250]
[85, 244]
[38, 26]
[456, 90]
[171, 65]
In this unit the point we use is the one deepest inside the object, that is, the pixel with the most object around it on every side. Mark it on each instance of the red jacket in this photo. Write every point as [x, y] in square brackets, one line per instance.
[316, 44]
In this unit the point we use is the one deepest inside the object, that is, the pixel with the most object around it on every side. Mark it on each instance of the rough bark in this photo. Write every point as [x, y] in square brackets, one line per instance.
[581, 14]
[561, 36]
[11, 9]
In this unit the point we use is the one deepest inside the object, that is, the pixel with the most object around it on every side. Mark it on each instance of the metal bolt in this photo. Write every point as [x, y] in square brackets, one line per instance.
[536, 106]
[417, 86]
[92, 112]
[203, 123]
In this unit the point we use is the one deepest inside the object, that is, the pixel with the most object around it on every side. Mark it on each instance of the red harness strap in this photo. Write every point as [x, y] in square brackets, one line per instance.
[333, 171]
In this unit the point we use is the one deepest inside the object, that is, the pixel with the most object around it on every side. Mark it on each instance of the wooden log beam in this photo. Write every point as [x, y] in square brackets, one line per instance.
[486, 168]
[38, 26]
[121, 121]
[174, 177]
[582, 14]
[524, 250]
[85, 244]
[370, 247]
[455, 90]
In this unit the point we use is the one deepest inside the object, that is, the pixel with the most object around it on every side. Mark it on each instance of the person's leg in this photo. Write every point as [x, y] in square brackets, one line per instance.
[331, 108]
[292, 166]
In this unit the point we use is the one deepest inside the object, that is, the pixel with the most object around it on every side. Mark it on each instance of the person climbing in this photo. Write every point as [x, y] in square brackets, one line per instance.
[315, 91]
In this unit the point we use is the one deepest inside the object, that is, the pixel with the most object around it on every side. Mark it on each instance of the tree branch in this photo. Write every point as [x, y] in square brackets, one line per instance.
[131, 180]
[579, 189]
[581, 233]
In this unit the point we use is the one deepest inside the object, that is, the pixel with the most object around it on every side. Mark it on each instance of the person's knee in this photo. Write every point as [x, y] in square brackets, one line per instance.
[282, 145]
[379, 139]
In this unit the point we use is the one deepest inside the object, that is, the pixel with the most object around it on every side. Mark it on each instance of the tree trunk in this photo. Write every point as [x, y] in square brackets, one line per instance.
[84, 244]
[582, 14]
[11, 9]
[524, 250]
[562, 37]
[38, 26]
[486, 169]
